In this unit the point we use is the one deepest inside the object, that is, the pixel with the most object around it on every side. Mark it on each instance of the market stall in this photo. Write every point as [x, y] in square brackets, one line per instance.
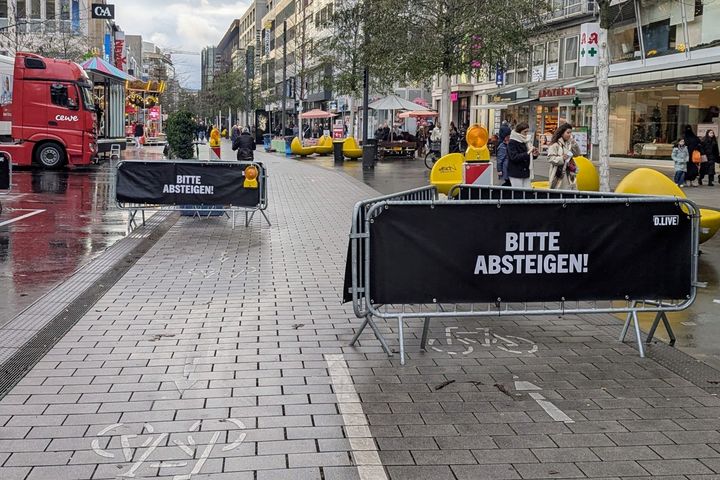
[109, 99]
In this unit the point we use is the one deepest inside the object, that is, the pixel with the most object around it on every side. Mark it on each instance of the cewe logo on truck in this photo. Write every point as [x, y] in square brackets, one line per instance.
[67, 118]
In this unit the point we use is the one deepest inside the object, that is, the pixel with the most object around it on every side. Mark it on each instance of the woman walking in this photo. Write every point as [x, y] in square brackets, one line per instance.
[520, 156]
[710, 148]
[680, 158]
[563, 170]
[692, 142]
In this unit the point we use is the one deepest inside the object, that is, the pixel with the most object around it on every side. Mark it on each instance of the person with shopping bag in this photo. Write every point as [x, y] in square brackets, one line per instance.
[563, 169]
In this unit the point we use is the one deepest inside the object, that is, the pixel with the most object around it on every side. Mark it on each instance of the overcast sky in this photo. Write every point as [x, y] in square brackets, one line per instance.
[179, 24]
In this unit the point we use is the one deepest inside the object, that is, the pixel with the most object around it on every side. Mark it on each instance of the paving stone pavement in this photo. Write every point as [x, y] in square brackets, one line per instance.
[223, 354]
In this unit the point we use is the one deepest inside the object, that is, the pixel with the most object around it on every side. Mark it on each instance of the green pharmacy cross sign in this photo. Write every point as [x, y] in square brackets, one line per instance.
[592, 52]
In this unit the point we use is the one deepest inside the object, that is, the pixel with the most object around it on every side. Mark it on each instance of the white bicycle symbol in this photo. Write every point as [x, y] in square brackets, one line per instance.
[507, 343]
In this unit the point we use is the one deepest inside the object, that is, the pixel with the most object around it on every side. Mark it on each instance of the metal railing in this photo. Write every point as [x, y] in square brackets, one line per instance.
[359, 264]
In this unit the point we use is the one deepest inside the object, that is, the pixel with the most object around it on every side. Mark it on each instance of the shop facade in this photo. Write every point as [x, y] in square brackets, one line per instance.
[650, 111]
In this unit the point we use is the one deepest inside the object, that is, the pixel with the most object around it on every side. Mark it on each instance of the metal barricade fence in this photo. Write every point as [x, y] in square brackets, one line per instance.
[359, 264]
[208, 210]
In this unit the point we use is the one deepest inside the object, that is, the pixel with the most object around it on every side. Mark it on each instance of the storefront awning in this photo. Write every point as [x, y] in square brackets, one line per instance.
[100, 66]
[502, 105]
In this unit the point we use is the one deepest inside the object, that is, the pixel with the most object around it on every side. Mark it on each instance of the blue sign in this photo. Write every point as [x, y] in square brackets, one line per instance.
[108, 47]
[499, 75]
[75, 19]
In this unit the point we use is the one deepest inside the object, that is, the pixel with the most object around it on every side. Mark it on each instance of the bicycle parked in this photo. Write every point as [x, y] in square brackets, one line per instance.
[434, 152]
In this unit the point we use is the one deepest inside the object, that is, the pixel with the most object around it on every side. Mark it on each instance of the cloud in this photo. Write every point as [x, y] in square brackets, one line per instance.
[187, 25]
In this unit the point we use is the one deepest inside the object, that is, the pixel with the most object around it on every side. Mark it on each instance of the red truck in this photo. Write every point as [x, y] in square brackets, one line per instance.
[48, 114]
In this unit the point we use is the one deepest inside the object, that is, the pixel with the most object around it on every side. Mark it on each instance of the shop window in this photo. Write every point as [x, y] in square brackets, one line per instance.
[659, 38]
[570, 57]
[625, 44]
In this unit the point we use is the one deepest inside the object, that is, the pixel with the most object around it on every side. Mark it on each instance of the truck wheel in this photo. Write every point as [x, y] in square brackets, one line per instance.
[50, 155]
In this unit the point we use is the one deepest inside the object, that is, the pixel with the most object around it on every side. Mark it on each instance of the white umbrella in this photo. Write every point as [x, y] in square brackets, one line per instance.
[392, 103]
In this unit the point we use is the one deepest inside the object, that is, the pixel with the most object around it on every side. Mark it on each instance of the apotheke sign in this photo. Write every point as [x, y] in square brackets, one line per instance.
[103, 11]
[557, 92]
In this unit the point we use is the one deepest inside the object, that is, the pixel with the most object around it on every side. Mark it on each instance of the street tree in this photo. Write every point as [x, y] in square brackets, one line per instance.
[348, 51]
[421, 39]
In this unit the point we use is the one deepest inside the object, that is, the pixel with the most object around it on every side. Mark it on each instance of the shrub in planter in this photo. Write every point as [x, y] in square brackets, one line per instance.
[180, 134]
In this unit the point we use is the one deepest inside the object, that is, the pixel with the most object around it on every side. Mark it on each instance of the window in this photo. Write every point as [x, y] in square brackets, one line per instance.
[538, 62]
[64, 9]
[3, 9]
[553, 58]
[570, 57]
[50, 9]
[35, 9]
[20, 7]
[63, 96]
[523, 60]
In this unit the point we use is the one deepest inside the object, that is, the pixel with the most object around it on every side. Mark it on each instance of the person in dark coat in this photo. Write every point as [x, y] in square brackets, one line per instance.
[502, 157]
[692, 142]
[245, 145]
[710, 148]
[520, 155]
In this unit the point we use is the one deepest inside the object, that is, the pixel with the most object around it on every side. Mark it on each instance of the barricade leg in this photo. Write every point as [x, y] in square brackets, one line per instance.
[661, 316]
[426, 327]
[633, 317]
[247, 221]
[401, 339]
[369, 321]
[262, 212]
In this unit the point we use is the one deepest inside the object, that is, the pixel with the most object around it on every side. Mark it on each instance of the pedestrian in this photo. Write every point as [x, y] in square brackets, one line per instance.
[214, 143]
[502, 156]
[234, 133]
[520, 156]
[420, 142]
[680, 159]
[245, 145]
[694, 147]
[563, 169]
[139, 134]
[209, 131]
[710, 148]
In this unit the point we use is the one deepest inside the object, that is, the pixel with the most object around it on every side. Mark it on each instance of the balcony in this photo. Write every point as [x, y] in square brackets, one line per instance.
[562, 10]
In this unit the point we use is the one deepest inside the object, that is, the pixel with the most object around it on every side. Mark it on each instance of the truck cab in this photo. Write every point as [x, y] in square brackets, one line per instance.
[53, 116]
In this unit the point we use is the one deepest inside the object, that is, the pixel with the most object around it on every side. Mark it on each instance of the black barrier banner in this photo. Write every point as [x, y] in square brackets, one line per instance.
[185, 183]
[464, 253]
[5, 167]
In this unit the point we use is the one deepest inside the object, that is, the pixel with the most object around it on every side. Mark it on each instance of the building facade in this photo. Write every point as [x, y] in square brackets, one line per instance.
[665, 75]
[209, 67]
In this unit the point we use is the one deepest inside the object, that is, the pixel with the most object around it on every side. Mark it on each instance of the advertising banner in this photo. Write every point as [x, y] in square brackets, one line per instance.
[185, 183]
[464, 253]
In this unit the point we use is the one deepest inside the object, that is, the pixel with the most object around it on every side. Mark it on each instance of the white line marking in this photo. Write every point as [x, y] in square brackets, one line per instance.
[716, 300]
[21, 217]
[549, 407]
[357, 430]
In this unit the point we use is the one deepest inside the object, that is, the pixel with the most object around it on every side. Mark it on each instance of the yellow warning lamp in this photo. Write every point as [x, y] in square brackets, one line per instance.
[251, 174]
[477, 138]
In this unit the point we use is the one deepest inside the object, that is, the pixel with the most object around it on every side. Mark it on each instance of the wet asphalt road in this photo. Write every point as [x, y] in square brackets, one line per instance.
[71, 217]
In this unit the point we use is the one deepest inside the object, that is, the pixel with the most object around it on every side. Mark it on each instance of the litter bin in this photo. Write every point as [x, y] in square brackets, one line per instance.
[288, 142]
[370, 148]
[267, 142]
[338, 151]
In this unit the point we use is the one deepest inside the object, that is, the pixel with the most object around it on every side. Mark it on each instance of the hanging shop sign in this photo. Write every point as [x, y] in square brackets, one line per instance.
[689, 87]
[120, 56]
[103, 11]
[589, 44]
[557, 92]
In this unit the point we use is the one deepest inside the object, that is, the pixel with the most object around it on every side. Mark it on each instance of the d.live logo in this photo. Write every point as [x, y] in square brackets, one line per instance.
[666, 220]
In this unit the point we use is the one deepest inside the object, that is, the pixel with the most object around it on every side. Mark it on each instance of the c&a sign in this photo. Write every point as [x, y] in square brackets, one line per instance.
[103, 11]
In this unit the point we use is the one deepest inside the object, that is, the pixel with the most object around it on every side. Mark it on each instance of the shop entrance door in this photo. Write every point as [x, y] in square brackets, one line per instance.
[546, 119]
